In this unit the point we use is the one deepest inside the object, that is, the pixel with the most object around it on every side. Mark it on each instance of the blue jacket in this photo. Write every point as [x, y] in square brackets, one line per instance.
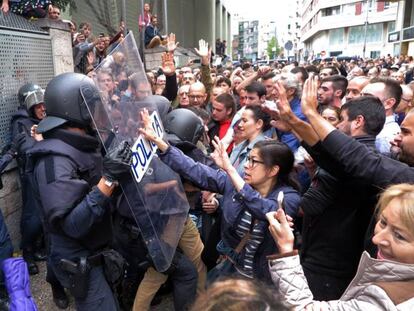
[287, 137]
[234, 202]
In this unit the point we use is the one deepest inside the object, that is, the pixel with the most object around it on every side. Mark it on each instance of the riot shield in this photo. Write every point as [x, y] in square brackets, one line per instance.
[154, 194]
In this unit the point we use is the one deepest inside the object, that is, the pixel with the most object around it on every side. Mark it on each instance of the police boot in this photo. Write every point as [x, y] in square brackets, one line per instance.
[59, 296]
[31, 264]
[40, 252]
[4, 299]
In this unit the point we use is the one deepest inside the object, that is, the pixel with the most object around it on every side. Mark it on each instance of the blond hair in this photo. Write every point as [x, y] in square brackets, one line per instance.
[404, 193]
[238, 295]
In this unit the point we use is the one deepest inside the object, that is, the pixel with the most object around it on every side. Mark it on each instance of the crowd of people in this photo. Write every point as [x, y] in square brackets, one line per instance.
[297, 177]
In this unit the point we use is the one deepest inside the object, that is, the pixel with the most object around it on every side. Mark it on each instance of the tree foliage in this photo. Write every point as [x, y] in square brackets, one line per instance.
[64, 4]
[273, 48]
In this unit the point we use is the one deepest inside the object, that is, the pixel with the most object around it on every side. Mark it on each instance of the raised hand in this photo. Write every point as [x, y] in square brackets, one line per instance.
[5, 6]
[263, 70]
[204, 52]
[282, 102]
[309, 95]
[148, 132]
[220, 156]
[280, 230]
[167, 64]
[171, 44]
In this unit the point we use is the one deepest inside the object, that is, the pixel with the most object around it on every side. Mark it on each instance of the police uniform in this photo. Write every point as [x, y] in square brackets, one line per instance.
[66, 168]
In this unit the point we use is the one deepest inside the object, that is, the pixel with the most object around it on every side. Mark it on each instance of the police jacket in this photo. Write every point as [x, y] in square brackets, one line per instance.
[66, 167]
[234, 202]
[22, 122]
[337, 212]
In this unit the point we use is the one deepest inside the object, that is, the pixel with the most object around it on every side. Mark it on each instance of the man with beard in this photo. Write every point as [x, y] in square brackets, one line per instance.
[332, 90]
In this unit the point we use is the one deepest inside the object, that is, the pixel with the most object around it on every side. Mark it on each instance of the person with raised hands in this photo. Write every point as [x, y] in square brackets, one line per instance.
[246, 199]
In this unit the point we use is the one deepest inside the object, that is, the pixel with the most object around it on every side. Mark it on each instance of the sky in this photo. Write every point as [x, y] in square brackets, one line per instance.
[253, 9]
[274, 10]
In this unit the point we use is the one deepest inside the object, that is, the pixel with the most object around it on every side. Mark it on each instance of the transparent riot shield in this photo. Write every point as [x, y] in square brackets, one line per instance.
[154, 193]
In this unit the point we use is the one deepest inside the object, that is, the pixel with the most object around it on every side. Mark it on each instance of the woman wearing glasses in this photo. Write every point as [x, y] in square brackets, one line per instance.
[245, 239]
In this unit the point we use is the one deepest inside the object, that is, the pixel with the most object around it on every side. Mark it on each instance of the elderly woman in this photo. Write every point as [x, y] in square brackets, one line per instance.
[384, 283]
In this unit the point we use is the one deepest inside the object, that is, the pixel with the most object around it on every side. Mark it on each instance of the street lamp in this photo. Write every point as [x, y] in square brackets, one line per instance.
[366, 29]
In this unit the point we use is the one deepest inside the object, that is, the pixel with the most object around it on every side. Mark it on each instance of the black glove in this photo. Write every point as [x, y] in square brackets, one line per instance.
[117, 162]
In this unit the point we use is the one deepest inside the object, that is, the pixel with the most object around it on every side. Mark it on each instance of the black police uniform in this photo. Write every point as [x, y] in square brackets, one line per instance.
[77, 213]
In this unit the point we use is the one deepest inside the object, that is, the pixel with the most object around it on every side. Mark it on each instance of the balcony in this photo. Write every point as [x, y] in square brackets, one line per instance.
[347, 20]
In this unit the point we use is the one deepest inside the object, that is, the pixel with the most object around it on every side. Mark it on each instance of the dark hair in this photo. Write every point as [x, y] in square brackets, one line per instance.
[200, 112]
[392, 89]
[228, 101]
[277, 153]
[371, 108]
[302, 70]
[269, 75]
[338, 83]
[333, 70]
[256, 87]
[223, 79]
[259, 114]
[312, 68]
[83, 24]
[246, 65]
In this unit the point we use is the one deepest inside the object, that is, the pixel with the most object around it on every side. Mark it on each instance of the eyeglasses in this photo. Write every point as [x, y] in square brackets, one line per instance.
[183, 93]
[252, 162]
[196, 96]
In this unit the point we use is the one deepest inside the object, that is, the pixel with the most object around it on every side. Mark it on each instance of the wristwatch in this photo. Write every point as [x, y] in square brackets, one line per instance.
[108, 182]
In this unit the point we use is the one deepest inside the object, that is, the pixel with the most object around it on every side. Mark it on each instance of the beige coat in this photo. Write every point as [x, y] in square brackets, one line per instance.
[378, 285]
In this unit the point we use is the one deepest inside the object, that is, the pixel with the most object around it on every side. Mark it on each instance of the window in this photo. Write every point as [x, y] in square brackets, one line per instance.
[375, 54]
[357, 34]
[335, 10]
[336, 36]
[391, 26]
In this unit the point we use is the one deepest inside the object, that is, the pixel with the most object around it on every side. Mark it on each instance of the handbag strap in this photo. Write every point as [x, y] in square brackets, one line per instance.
[244, 240]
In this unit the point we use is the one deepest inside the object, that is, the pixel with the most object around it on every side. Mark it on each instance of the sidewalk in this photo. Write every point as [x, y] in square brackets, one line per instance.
[42, 294]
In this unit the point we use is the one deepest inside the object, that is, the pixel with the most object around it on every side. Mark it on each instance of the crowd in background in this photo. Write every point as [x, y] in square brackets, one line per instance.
[297, 175]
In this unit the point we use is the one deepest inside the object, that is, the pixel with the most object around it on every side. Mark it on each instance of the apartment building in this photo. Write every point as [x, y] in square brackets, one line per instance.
[347, 27]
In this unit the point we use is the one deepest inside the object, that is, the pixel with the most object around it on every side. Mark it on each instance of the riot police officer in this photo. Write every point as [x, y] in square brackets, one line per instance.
[74, 188]
[30, 112]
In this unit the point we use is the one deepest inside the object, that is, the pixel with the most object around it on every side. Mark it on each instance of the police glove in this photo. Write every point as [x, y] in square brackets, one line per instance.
[117, 162]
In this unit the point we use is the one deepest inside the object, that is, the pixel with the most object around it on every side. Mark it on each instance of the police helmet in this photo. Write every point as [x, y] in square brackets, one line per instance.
[183, 125]
[34, 98]
[162, 103]
[67, 99]
[25, 90]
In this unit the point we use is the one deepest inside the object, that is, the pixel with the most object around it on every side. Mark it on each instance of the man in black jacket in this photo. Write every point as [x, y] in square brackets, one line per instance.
[337, 211]
[354, 159]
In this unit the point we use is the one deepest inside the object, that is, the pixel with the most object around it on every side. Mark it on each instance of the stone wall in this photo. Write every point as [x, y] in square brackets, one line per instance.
[10, 195]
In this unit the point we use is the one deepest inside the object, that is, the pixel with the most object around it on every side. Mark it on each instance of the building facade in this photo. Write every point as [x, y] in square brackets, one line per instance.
[190, 20]
[347, 27]
[402, 38]
[248, 41]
